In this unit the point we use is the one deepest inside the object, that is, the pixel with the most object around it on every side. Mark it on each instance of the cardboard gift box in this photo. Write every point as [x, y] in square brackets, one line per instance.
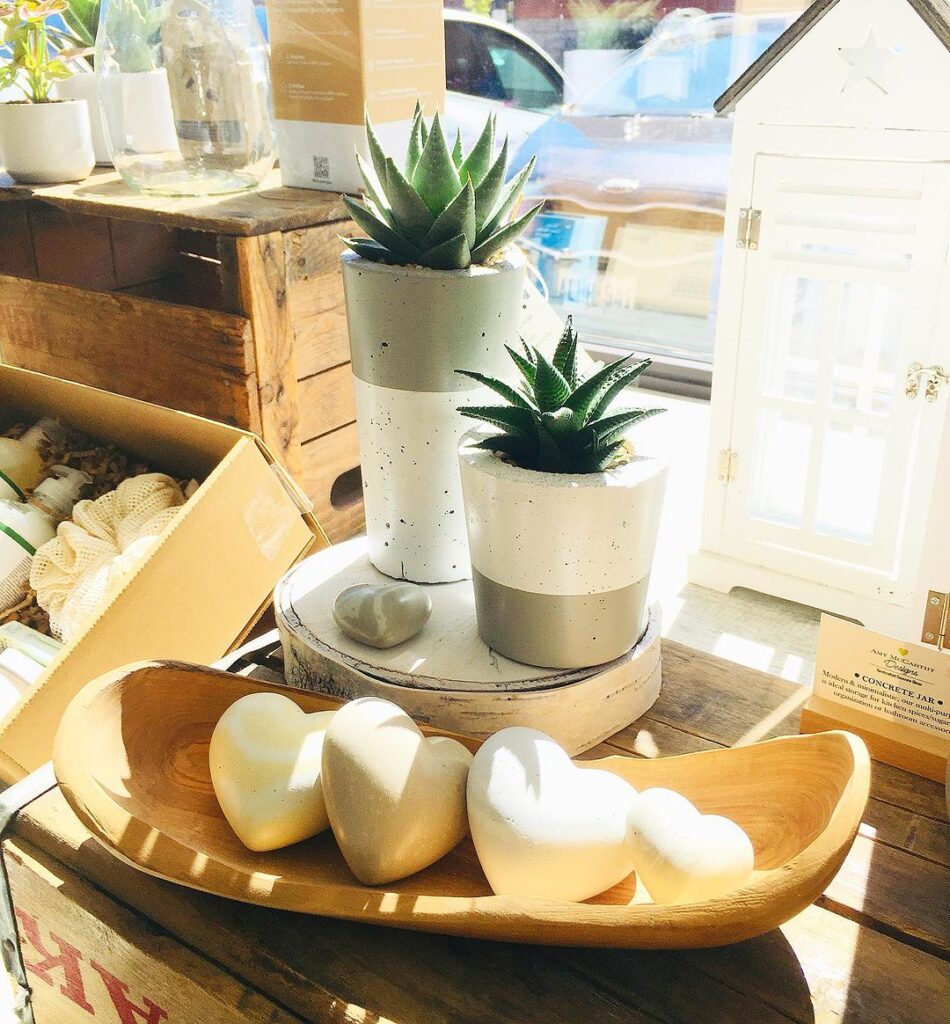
[208, 578]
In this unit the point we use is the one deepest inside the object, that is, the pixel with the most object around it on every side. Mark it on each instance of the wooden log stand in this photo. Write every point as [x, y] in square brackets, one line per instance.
[230, 307]
[446, 676]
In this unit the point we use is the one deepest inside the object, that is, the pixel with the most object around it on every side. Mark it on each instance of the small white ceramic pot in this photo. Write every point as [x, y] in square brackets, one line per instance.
[410, 329]
[137, 113]
[85, 86]
[560, 562]
[43, 143]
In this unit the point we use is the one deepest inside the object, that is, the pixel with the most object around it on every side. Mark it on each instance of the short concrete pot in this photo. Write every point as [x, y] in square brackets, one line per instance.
[45, 143]
[560, 562]
[410, 329]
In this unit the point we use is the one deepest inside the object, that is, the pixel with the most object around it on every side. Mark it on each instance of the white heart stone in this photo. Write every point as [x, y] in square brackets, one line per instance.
[396, 800]
[682, 856]
[382, 615]
[265, 758]
[541, 825]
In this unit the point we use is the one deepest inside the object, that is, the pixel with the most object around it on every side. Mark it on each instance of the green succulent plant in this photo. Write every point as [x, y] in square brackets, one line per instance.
[557, 423]
[444, 209]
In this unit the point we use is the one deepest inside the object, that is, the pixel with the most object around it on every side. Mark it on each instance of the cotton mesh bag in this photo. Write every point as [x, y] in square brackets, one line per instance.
[76, 573]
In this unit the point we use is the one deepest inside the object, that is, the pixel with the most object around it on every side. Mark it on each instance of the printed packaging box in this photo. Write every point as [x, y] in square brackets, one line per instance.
[333, 59]
[205, 583]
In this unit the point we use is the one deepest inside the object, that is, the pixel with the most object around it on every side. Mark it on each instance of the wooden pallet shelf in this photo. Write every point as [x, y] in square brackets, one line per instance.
[230, 308]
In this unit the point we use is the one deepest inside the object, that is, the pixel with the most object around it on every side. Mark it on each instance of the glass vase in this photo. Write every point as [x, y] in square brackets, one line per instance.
[184, 88]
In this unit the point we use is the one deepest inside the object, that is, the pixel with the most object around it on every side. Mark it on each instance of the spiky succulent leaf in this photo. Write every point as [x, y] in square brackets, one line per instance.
[448, 255]
[443, 207]
[497, 242]
[435, 177]
[368, 249]
[518, 421]
[414, 148]
[565, 355]
[562, 426]
[381, 231]
[476, 164]
[458, 218]
[551, 390]
[624, 380]
[510, 197]
[507, 392]
[488, 189]
[527, 368]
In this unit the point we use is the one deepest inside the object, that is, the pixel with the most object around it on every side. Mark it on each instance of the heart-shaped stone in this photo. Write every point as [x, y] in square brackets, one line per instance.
[683, 856]
[382, 614]
[541, 825]
[396, 799]
[266, 760]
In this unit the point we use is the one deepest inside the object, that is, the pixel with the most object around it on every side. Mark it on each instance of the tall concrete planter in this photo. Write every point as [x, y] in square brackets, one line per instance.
[410, 329]
[560, 561]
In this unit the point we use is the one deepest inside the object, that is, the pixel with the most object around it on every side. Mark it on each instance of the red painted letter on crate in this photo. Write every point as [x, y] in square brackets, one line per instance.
[128, 1012]
[66, 960]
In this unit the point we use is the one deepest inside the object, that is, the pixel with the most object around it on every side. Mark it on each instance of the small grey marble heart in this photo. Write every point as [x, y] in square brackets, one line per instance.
[382, 615]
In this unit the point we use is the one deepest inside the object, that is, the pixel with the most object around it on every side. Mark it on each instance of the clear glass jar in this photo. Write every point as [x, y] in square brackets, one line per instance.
[184, 88]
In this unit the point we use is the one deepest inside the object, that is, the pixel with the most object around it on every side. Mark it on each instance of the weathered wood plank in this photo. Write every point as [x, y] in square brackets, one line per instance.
[315, 289]
[132, 346]
[268, 208]
[326, 460]
[72, 249]
[327, 401]
[262, 291]
[16, 253]
[88, 956]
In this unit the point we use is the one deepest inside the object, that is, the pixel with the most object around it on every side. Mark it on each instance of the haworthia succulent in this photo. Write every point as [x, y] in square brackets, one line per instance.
[558, 424]
[444, 209]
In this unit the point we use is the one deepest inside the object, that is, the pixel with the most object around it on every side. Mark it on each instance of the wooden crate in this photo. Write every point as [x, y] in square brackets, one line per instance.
[230, 308]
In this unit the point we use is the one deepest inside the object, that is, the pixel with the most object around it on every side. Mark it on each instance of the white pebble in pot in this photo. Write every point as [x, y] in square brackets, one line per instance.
[683, 856]
[541, 825]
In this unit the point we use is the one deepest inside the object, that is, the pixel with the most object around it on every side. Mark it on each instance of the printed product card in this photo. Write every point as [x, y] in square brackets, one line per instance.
[904, 683]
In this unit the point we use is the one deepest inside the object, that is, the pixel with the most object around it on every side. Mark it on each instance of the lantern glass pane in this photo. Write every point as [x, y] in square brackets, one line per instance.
[797, 309]
[780, 469]
[849, 483]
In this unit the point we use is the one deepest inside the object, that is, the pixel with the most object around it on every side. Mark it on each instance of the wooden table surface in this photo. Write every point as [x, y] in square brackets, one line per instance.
[271, 207]
[873, 949]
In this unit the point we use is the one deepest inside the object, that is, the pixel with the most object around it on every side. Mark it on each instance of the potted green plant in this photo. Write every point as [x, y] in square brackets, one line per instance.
[607, 33]
[42, 139]
[436, 284]
[562, 511]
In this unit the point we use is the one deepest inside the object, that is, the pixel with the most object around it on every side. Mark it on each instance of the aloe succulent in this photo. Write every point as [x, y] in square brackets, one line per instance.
[444, 209]
[556, 423]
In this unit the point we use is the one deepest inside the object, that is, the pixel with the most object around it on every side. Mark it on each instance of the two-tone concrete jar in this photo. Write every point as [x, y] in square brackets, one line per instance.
[410, 328]
[560, 561]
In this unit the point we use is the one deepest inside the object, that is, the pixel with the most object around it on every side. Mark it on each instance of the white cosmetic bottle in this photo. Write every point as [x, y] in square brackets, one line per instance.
[26, 525]
[21, 459]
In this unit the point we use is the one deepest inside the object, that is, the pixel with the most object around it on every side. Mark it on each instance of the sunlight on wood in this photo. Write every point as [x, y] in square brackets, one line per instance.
[762, 728]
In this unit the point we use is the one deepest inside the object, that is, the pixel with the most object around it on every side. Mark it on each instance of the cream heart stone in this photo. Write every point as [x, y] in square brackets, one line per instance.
[382, 615]
[541, 825]
[396, 800]
[683, 856]
[265, 759]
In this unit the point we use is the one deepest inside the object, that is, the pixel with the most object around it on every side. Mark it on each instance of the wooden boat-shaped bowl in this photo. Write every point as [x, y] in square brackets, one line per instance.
[131, 758]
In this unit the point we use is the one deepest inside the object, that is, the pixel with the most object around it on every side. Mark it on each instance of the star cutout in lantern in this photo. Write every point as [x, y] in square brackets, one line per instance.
[867, 62]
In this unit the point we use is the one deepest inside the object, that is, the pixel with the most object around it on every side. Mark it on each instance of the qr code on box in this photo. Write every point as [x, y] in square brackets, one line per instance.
[321, 168]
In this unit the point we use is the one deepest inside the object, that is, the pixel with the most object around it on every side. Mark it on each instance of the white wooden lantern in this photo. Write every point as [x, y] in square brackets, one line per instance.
[829, 472]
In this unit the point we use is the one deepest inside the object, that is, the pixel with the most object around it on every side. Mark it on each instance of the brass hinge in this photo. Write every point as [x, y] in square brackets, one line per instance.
[750, 225]
[727, 465]
[935, 376]
[937, 620]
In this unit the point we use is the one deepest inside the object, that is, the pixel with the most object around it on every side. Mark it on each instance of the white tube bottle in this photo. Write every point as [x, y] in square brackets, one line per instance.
[26, 525]
[21, 458]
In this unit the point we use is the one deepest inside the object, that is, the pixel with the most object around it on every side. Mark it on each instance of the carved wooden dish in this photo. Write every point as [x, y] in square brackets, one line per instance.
[132, 760]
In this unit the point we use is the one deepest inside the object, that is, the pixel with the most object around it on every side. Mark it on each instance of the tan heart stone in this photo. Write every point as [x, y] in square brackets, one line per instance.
[265, 759]
[395, 799]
